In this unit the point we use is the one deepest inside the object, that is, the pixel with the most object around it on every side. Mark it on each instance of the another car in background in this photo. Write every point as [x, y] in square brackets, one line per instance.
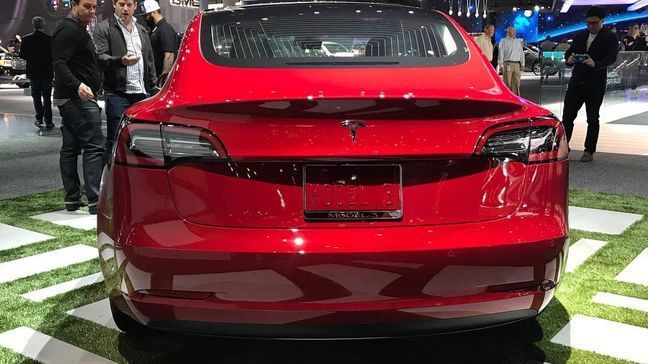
[13, 68]
[11, 64]
[532, 62]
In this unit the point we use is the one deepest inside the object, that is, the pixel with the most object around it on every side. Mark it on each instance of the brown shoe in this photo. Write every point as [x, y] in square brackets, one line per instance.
[587, 157]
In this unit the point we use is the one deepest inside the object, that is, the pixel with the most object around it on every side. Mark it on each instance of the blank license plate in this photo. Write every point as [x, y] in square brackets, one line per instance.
[352, 192]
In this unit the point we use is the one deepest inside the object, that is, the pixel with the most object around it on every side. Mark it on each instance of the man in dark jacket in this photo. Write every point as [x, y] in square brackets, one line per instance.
[163, 39]
[126, 57]
[37, 52]
[76, 84]
[591, 52]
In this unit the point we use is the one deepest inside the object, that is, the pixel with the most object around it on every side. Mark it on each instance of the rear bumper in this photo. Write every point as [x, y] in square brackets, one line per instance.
[348, 330]
[373, 281]
[427, 327]
[323, 294]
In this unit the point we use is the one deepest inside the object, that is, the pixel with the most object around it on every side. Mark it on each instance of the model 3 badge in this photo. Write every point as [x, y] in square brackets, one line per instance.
[353, 126]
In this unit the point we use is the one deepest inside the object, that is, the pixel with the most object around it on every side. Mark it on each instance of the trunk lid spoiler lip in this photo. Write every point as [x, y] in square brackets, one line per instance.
[159, 109]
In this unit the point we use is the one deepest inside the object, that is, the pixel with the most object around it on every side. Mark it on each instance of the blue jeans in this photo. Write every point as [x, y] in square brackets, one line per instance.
[41, 93]
[81, 129]
[116, 103]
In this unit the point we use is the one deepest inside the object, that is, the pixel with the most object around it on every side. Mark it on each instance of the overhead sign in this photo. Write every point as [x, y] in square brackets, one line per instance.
[186, 3]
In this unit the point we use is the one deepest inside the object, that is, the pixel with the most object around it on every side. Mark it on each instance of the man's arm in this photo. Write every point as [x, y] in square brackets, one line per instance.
[521, 55]
[500, 54]
[64, 45]
[568, 54]
[169, 46]
[168, 62]
[23, 50]
[149, 78]
[101, 38]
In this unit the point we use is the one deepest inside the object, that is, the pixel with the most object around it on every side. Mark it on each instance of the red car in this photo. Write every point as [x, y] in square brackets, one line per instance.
[273, 189]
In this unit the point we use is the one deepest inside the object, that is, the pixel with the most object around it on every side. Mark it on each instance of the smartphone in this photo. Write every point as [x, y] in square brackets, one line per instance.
[580, 57]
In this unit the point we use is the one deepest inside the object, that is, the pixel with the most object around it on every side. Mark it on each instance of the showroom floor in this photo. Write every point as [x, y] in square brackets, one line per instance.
[53, 307]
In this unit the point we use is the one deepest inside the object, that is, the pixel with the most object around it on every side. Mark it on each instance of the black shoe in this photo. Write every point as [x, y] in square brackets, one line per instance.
[38, 124]
[92, 208]
[72, 206]
[50, 126]
[587, 157]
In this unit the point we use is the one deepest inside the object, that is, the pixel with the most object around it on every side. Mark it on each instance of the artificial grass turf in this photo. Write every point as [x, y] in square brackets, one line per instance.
[517, 343]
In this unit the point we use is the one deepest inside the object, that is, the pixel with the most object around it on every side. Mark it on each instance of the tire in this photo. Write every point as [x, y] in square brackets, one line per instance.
[536, 68]
[124, 322]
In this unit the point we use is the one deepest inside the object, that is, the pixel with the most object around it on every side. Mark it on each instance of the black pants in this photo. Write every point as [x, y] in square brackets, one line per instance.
[575, 97]
[81, 129]
[116, 103]
[41, 92]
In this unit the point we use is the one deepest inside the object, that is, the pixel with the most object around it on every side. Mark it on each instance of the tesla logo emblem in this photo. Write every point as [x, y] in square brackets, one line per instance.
[353, 126]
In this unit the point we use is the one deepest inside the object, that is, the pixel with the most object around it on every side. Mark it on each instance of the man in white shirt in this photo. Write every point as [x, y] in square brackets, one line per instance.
[125, 54]
[484, 41]
[511, 60]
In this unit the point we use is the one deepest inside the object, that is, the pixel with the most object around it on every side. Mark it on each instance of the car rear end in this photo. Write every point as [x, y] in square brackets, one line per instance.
[11, 64]
[273, 189]
[6, 62]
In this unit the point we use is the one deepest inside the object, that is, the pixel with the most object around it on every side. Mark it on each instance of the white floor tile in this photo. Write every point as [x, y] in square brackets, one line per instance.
[601, 221]
[47, 292]
[77, 219]
[637, 271]
[13, 237]
[46, 349]
[580, 251]
[621, 301]
[97, 312]
[35, 264]
[605, 337]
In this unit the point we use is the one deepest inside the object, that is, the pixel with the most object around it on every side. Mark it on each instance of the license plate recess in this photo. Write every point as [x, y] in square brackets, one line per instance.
[353, 192]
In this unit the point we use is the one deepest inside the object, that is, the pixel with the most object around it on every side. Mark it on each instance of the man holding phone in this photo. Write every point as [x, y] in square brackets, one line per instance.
[126, 57]
[591, 52]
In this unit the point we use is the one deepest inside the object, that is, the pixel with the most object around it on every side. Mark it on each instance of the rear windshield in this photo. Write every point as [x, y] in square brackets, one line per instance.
[330, 34]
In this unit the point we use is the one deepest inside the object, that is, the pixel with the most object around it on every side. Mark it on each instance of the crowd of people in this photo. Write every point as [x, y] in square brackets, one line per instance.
[635, 40]
[589, 53]
[119, 56]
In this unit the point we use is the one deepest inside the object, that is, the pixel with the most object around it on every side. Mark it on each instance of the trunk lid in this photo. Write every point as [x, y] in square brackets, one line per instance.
[272, 143]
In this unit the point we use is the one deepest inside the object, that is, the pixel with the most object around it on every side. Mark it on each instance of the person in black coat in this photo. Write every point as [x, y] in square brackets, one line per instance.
[591, 52]
[36, 50]
[76, 84]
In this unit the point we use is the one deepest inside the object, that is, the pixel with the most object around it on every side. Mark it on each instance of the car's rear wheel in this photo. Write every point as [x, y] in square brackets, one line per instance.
[124, 322]
[536, 68]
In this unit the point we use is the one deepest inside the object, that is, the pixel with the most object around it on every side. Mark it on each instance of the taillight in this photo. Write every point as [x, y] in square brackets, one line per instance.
[162, 145]
[533, 141]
